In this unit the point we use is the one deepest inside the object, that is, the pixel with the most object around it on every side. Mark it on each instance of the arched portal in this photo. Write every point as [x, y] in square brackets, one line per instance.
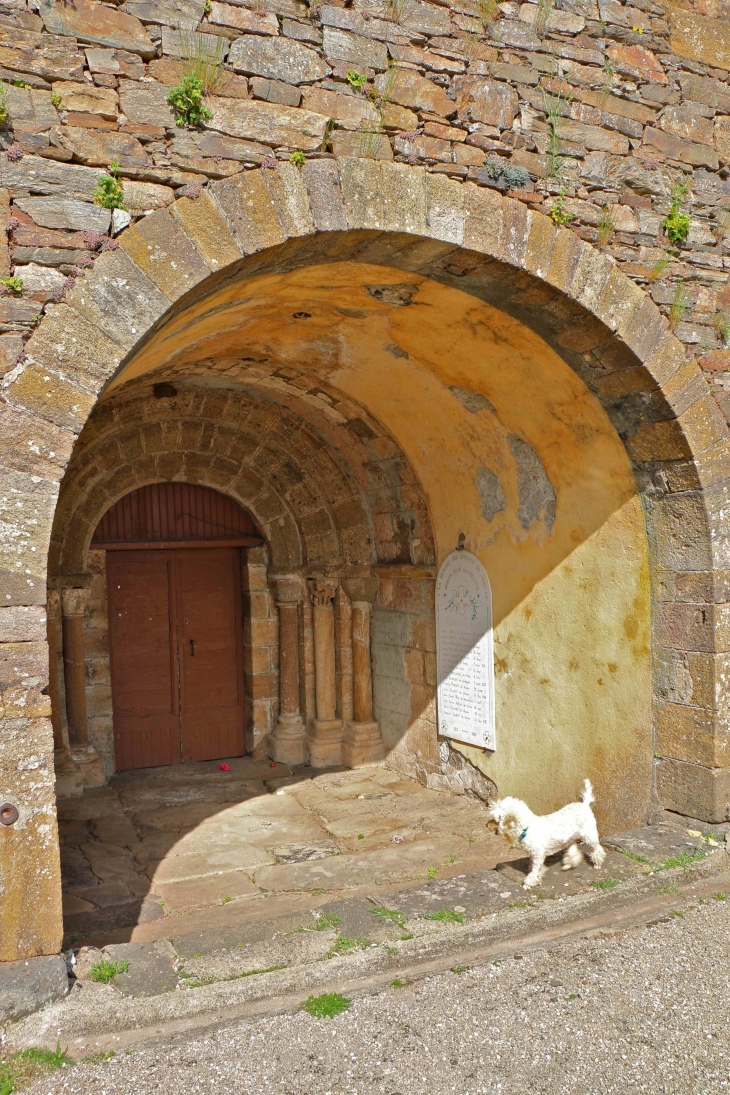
[572, 384]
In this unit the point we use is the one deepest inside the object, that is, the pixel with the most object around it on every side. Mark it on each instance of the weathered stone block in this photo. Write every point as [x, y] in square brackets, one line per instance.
[268, 123]
[410, 89]
[694, 790]
[619, 301]
[692, 734]
[26, 510]
[483, 100]
[69, 213]
[683, 151]
[164, 253]
[21, 624]
[34, 174]
[291, 200]
[28, 110]
[44, 55]
[146, 104]
[322, 180]
[343, 45]
[205, 225]
[31, 984]
[114, 62]
[102, 148]
[68, 342]
[250, 212]
[91, 22]
[700, 39]
[279, 59]
[172, 13]
[483, 220]
[118, 298]
[231, 15]
[275, 91]
[444, 208]
[404, 198]
[541, 239]
[49, 395]
[360, 182]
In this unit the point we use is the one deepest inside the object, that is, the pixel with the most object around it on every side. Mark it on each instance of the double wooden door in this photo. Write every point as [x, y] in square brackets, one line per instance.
[176, 649]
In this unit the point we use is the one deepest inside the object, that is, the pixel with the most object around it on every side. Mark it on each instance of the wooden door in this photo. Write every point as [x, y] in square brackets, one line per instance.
[143, 653]
[211, 686]
[176, 649]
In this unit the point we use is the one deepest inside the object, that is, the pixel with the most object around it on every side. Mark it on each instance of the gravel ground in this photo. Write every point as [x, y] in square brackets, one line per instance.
[639, 1011]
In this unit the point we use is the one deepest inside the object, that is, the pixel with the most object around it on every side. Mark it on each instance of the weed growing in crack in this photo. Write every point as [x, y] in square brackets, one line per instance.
[106, 970]
[678, 309]
[677, 223]
[606, 883]
[447, 916]
[327, 1005]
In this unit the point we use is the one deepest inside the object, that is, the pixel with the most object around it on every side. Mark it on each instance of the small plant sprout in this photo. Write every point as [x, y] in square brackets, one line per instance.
[395, 916]
[678, 309]
[12, 284]
[677, 223]
[554, 107]
[721, 322]
[460, 969]
[661, 265]
[109, 191]
[399, 983]
[683, 859]
[106, 970]
[544, 9]
[559, 213]
[719, 896]
[431, 872]
[187, 102]
[606, 224]
[356, 79]
[447, 916]
[298, 158]
[3, 106]
[323, 921]
[345, 944]
[56, 99]
[606, 883]
[327, 1005]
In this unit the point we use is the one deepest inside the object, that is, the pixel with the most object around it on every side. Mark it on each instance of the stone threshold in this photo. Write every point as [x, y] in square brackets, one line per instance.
[192, 981]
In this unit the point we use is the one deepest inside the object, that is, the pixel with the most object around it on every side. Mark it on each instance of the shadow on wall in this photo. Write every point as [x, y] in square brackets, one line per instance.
[418, 390]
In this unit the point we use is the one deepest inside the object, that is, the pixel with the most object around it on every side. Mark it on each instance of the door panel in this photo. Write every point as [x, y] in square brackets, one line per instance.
[211, 687]
[143, 658]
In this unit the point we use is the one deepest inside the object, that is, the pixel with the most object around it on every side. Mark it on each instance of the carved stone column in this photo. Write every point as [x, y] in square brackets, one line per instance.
[73, 604]
[288, 743]
[362, 742]
[325, 738]
[69, 782]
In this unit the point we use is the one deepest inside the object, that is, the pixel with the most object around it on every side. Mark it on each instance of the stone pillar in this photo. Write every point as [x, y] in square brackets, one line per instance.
[69, 782]
[325, 737]
[288, 743]
[73, 603]
[362, 741]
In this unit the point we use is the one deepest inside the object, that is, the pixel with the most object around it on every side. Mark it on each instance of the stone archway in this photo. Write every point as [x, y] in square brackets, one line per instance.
[128, 311]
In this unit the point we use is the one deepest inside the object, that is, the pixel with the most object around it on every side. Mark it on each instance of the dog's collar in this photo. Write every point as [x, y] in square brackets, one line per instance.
[523, 834]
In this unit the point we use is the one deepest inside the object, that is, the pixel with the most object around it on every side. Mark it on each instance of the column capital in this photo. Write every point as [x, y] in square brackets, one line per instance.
[74, 600]
[361, 589]
[322, 591]
[288, 589]
[53, 600]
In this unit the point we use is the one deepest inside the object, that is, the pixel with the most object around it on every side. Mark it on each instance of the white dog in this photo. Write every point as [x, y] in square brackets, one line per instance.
[545, 835]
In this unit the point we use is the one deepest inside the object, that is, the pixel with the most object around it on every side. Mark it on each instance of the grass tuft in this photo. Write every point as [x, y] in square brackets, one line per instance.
[450, 916]
[684, 859]
[106, 970]
[345, 944]
[20, 1069]
[327, 1005]
[606, 883]
[395, 916]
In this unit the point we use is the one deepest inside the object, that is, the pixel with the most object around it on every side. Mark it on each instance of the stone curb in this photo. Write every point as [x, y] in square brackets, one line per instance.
[122, 1019]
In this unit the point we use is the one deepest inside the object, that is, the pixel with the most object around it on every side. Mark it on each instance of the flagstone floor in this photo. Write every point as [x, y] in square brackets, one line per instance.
[191, 847]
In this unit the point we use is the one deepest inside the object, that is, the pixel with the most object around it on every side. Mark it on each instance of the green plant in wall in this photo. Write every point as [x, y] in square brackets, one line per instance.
[356, 79]
[109, 191]
[661, 264]
[677, 223]
[486, 12]
[542, 17]
[12, 284]
[56, 99]
[298, 158]
[554, 107]
[513, 176]
[202, 60]
[558, 212]
[3, 106]
[606, 224]
[327, 138]
[678, 307]
[721, 323]
[187, 101]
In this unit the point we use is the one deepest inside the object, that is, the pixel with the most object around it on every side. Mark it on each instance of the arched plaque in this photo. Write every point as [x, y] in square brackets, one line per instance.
[464, 651]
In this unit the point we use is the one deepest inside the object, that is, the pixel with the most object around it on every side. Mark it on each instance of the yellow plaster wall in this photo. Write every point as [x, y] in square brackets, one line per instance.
[571, 603]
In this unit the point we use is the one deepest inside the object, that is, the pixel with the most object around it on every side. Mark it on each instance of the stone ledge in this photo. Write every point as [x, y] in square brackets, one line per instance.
[30, 984]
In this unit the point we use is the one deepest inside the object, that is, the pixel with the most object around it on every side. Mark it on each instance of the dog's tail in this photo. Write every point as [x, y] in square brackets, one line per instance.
[587, 796]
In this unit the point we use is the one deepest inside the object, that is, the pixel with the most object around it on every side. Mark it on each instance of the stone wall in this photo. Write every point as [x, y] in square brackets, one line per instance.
[591, 109]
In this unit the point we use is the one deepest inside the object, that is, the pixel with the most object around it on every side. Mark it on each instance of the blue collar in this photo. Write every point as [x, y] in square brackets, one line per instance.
[523, 834]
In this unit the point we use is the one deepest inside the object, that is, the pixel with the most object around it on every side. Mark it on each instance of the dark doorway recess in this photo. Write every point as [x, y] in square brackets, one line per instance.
[173, 566]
